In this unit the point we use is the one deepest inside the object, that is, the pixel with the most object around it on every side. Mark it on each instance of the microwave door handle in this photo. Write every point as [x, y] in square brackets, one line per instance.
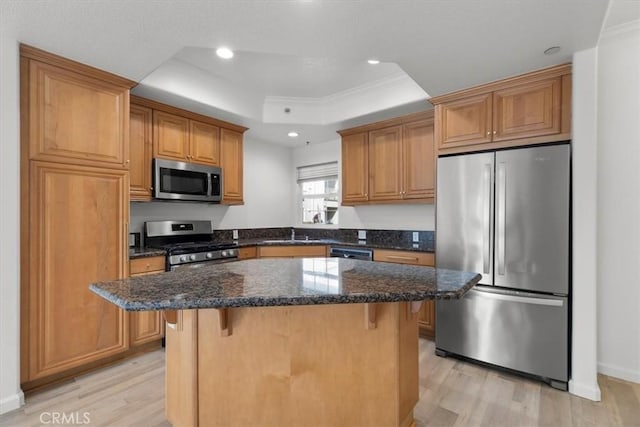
[209, 185]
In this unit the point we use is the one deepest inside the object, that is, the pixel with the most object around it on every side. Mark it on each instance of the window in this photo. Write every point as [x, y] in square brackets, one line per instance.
[319, 190]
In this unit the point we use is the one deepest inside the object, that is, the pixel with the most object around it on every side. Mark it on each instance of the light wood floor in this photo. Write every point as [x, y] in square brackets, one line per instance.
[452, 393]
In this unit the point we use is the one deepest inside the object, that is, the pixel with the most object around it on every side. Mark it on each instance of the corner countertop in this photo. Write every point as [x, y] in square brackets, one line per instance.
[285, 281]
[417, 247]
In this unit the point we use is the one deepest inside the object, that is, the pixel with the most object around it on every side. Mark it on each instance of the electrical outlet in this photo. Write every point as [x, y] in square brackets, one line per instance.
[416, 237]
[235, 234]
[362, 234]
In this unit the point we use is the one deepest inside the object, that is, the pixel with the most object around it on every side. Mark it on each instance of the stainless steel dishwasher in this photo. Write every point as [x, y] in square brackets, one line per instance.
[351, 253]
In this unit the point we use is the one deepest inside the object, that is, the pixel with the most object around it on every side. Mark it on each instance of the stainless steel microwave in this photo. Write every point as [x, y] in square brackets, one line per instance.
[186, 181]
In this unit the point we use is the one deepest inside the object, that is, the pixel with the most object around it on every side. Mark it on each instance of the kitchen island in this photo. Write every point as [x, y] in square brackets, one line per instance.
[288, 342]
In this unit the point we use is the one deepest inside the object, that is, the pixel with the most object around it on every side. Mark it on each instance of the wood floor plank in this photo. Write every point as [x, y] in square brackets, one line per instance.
[452, 393]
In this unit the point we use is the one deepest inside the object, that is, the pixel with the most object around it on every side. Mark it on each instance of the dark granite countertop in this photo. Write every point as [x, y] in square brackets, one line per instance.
[285, 281]
[417, 247]
[145, 252]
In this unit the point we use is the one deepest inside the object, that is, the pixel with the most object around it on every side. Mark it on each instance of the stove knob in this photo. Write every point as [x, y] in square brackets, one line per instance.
[192, 257]
[183, 258]
[232, 252]
[209, 255]
[224, 253]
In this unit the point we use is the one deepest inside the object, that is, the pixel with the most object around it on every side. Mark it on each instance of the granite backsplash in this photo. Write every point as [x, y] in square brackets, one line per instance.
[376, 237]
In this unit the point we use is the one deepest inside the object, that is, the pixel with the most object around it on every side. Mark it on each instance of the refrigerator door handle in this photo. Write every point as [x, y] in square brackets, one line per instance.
[486, 220]
[501, 215]
[510, 297]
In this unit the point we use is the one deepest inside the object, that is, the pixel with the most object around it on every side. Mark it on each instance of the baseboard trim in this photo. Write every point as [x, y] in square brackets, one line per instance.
[588, 391]
[11, 403]
[618, 372]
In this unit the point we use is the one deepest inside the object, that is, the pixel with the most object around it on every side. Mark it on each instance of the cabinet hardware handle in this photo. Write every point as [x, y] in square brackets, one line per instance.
[402, 257]
[494, 132]
[488, 133]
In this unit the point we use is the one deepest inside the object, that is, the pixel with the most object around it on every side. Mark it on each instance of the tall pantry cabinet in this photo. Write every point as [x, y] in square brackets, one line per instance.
[75, 212]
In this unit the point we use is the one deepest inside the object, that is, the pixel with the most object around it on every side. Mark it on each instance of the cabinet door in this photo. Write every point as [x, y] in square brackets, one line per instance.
[385, 164]
[146, 326]
[427, 313]
[248, 253]
[528, 110]
[170, 136]
[355, 168]
[140, 149]
[204, 146]
[427, 319]
[464, 122]
[78, 235]
[419, 160]
[75, 118]
[231, 161]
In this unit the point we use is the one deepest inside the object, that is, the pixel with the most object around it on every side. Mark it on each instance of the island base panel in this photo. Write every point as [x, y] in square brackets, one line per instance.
[296, 365]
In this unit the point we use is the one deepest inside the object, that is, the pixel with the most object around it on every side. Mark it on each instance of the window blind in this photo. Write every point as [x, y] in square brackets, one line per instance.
[318, 171]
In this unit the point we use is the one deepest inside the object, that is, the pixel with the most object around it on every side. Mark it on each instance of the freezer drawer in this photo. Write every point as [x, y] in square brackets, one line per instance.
[521, 331]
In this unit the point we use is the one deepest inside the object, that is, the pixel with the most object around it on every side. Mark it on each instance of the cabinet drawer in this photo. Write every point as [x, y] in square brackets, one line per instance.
[247, 253]
[293, 251]
[404, 257]
[146, 265]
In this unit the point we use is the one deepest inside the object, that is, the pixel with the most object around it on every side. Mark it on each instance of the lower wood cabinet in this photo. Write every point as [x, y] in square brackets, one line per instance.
[248, 252]
[427, 314]
[76, 236]
[292, 251]
[145, 326]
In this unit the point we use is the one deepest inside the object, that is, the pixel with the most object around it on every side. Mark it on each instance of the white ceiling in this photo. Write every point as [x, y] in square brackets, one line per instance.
[311, 54]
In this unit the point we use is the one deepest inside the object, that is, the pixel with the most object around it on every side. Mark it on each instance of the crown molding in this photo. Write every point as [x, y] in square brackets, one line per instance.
[617, 30]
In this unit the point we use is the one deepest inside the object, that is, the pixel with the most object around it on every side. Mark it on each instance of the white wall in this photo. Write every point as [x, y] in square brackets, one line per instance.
[267, 195]
[10, 394]
[393, 217]
[619, 202]
[584, 370]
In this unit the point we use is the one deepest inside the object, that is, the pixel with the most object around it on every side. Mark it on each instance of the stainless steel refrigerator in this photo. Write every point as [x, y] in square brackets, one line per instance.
[506, 215]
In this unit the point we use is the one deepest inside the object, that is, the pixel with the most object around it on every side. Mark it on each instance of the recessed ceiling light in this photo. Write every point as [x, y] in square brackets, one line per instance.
[373, 61]
[552, 50]
[293, 134]
[224, 52]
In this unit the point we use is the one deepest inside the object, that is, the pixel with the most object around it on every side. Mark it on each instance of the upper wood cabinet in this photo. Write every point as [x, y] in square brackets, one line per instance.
[465, 121]
[204, 143]
[180, 138]
[170, 136]
[355, 168]
[188, 137]
[419, 160]
[389, 162]
[140, 150]
[529, 109]
[385, 164]
[74, 113]
[231, 161]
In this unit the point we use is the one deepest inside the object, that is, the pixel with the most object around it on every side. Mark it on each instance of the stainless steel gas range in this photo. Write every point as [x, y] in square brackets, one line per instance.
[189, 244]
